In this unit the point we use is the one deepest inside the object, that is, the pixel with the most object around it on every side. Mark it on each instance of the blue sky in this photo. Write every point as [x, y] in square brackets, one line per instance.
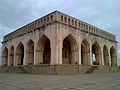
[101, 13]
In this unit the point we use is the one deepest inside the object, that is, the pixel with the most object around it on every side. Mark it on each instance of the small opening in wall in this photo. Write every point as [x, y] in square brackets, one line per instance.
[51, 17]
[72, 22]
[69, 20]
[87, 27]
[44, 20]
[65, 19]
[79, 24]
[75, 23]
[61, 17]
[48, 19]
[82, 25]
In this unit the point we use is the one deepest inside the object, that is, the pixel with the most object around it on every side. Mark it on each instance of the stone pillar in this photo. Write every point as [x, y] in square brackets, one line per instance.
[14, 60]
[87, 59]
[54, 52]
[25, 57]
[38, 59]
[117, 58]
[79, 53]
[99, 58]
[76, 55]
[109, 57]
[102, 57]
[8, 58]
[90, 55]
[60, 52]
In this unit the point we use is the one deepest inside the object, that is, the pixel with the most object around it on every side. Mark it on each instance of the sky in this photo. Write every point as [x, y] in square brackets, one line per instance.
[101, 13]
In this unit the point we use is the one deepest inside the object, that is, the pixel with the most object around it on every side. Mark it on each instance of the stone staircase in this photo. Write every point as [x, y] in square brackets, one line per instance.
[92, 69]
[10, 69]
[23, 69]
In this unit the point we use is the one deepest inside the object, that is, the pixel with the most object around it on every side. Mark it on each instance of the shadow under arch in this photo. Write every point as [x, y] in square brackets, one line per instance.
[5, 57]
[85, 53]
[96, 54]
[20, 54]
[70, 50]
[105, 55]
[11, 60]
[43, 50]
[113, 56]
[30, 53]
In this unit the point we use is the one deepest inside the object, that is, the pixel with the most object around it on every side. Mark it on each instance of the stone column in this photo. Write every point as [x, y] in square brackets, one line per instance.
[8, 58]
[76, 55]
[25, 57]
[99, 58]
[79, 53]
[60, 52]
[109, 57]
[14, 60]
[38, 57]
[117, 58]
[102, 58]
[90, 55]
[54, 52]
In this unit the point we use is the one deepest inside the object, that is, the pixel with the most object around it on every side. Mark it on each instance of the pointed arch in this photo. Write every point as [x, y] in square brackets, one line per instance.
[85, 52]
[105, 55]
[5, 57]
[20, 54]
[43, 50]
[70, 50]
[11, 60]
[96, 53]
[30, 53]
[113, 56]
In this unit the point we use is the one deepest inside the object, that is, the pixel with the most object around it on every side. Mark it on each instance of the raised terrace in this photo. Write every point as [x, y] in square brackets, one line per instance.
[57, 16]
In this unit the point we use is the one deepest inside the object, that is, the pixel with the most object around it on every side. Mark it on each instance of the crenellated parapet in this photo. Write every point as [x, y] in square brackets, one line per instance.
[57, 16]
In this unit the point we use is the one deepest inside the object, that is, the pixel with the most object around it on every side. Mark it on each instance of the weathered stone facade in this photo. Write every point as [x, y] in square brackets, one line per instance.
[58, 39]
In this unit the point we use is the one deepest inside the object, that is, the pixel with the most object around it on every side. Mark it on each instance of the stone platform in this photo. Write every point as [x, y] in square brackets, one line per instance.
[59, 69]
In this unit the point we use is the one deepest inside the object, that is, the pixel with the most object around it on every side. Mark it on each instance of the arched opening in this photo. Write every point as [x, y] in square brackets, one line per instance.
[46, 52]
[96, 54]
[30, 53]
[11, 60]
[66, 54]
[69, 50]
[105, 55]
[43, 51]
[85, 53]
[5, 57]
[113, 56]
[20, 54]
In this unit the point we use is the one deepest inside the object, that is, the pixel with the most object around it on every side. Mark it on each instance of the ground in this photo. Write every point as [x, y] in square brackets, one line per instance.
[109, 81]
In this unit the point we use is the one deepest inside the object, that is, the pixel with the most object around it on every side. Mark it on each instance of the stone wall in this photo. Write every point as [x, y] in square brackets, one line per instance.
[58, 69]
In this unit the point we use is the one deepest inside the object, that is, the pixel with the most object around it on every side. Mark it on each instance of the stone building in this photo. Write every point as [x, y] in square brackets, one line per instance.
[59, 39]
